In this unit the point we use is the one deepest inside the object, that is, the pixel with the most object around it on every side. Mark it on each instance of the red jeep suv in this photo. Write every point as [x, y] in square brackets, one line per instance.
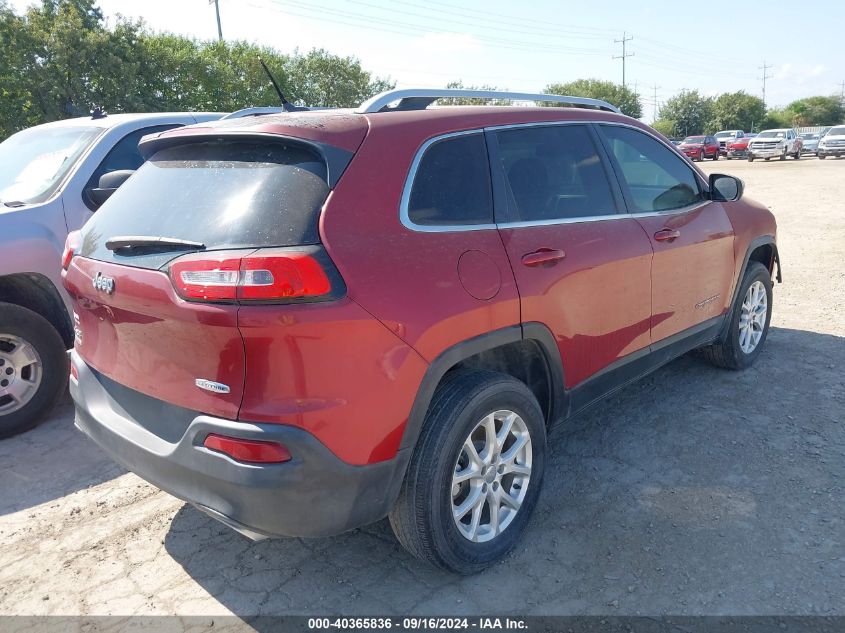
[302, 323]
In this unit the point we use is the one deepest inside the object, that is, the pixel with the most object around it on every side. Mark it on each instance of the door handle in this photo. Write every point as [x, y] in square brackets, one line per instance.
[543, 257]
[667, 235]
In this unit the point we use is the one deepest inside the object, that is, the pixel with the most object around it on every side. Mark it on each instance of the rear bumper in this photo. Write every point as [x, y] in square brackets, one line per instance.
[313, 494]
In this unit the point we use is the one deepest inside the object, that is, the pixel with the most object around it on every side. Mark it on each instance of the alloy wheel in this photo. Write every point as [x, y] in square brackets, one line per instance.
[491, 476]
[20, 373]
[752, 317]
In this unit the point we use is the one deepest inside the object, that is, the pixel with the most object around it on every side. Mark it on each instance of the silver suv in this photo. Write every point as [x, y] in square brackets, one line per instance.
[50, 184]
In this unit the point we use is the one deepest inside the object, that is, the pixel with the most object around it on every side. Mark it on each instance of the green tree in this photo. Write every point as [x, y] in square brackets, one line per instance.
[819, 110]
[622, 97]
[665, 126]
[777, 118]
[58, 59]
[690, 111]
[469, 100]
[319, 78]
[736, 111]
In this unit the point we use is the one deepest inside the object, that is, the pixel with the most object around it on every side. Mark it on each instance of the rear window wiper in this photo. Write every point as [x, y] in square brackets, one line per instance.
[148, 242]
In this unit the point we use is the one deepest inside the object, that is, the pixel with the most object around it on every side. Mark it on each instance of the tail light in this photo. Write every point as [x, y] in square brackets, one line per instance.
[72, 244]
[251, 451]
[263, 275]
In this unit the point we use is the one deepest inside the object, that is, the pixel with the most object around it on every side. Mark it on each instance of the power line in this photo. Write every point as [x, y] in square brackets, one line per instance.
[216, 4]
[765, 67]
[624, 55]
[309, 11]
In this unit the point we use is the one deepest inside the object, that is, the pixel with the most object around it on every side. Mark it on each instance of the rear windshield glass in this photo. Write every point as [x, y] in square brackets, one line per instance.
[221, 194]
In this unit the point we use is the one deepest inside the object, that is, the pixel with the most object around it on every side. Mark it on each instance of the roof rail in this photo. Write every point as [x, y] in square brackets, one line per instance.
[239, 114]
[421, 98]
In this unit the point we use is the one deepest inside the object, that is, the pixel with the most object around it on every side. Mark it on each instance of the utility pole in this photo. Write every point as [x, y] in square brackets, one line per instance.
[655, 103]
[842, 94]
[624, 54]
[216, 4]
[765, 67]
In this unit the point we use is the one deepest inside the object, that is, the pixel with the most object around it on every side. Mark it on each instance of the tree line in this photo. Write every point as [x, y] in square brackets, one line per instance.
[690, 113]
[59, 59]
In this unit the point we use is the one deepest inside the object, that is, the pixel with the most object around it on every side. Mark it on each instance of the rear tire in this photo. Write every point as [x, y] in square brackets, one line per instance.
[750, 159]
[427, 517]
[739, 350]
[33, 369]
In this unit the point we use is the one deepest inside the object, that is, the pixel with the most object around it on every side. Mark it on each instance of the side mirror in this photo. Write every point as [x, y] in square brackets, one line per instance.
[724, 188]
[108, 185]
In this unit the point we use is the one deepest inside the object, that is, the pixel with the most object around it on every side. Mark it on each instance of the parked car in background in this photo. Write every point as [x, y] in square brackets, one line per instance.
[778, 143]
[700, 147]
[726, 137]
[810, 142]
[307, 367]
[739, 147]
[50, 182]
[832, 143]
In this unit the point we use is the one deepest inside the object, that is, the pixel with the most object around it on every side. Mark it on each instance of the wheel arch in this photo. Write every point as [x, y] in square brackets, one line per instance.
[528, 352]
[36, 292]
[761, 249]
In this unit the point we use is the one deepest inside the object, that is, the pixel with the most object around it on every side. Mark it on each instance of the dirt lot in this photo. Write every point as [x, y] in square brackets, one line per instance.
[696, 491]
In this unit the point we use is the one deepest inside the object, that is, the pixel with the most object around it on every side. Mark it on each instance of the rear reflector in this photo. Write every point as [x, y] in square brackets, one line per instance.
[251, 451]
[72, 244]
[74, 373]
[228, 277]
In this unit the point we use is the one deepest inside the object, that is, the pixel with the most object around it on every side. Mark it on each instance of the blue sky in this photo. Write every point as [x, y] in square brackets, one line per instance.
[713, 46]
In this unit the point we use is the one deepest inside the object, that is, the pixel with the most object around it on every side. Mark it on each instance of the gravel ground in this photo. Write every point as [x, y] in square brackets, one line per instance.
[695, 491]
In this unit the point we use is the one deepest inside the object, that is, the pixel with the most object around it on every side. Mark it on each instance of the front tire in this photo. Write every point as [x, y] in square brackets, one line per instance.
[475, 474]
[822, 156]
[749, 322]
[33, 369]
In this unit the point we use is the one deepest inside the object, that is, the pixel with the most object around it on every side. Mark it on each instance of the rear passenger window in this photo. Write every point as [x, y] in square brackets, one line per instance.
[657, 178]
[452, 184]
[554, 173]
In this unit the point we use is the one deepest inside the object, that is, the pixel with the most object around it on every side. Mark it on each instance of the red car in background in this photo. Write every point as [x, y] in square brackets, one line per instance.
[700, 147]
[739, 147]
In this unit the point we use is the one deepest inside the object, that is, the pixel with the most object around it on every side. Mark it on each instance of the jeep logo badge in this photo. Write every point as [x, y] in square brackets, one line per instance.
[101, 282]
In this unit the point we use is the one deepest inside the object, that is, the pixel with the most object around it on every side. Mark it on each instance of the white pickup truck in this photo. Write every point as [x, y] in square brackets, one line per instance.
[775, 144]
[726, 137]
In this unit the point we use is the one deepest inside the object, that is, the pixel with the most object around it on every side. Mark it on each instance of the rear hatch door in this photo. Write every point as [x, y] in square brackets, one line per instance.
[211, 198]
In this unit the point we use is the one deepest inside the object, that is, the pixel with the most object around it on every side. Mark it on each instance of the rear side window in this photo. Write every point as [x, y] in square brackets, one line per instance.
[452, 184]
[554, 173]
[657, 178]
[222, 194]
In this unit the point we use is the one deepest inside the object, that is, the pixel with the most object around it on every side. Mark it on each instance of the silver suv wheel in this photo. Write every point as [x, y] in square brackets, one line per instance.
[20, 373]
[491, 476]
[752, 317]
